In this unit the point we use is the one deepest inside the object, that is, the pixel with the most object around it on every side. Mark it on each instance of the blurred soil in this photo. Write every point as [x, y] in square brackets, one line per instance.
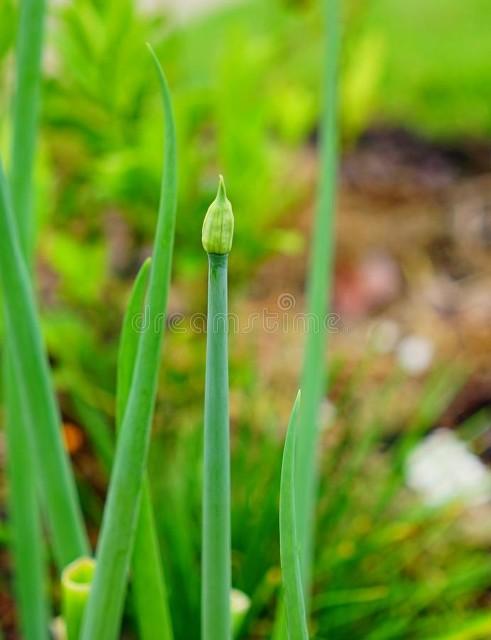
[413, 258]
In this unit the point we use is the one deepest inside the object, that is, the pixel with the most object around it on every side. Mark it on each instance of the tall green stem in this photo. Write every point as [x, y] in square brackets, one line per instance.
[25, 526]
[31, 370]
[27, 547]
[216, 622]
[318, 295]
[25, 115]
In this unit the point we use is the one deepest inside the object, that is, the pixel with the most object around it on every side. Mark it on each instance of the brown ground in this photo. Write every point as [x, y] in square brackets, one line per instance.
[413, 238]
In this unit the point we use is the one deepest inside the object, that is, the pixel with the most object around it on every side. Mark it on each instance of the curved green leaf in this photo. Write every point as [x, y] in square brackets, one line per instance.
[24, 513]
[104, 610]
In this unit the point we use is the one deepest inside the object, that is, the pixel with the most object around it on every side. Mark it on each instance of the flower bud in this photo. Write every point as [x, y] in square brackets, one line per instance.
[218, 227]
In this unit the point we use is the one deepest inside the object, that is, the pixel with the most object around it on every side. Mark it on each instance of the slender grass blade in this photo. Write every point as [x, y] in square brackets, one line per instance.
[318, 293]
[289, 549]
[133, 324]
[103, 614]
[31, 370]
[25, 527]
[25, 116]
[26, 535]
[148, 584]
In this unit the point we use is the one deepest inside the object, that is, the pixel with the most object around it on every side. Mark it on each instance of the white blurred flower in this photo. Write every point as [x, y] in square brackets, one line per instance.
[415, 354]
[58, 629]
[443, 469]
[239, 606]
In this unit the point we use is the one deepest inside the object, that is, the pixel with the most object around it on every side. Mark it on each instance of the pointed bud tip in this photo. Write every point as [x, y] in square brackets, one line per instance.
[221, 191]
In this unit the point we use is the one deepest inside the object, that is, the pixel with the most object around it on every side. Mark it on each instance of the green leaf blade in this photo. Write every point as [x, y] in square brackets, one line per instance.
[103, 614]
[130, 334]
[26, 534]
[25, 115]
[147, 572]
[24, 512]
[289, 543]
[31, 369]
[318, 294]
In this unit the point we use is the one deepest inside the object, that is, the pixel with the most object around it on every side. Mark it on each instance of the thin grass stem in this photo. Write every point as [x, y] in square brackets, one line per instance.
[26, 533]
[318, 295]
[36, 392]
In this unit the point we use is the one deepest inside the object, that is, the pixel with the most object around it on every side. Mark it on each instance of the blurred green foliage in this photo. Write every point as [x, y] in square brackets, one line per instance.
[437, 75]
[245, 82]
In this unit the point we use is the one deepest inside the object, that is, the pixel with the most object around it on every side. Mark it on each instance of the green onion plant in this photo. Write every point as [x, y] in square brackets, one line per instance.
[93, 590]
[217, 236]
